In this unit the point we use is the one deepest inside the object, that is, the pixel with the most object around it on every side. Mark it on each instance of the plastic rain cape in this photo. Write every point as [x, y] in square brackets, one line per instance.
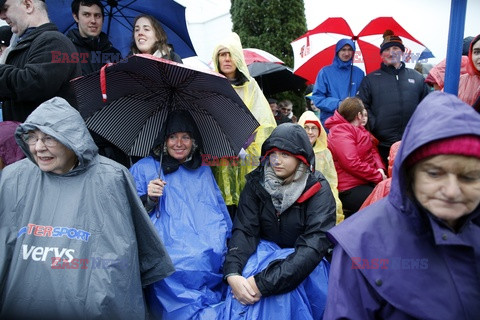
[306, 302]
[230, 177]
[194, 225]
[78, 245]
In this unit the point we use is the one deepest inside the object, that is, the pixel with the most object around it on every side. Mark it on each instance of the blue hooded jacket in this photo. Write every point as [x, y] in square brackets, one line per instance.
[332, 83]
[395, 260]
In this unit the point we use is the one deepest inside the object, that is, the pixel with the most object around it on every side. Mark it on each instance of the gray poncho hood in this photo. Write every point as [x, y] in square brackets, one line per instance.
[56, 118]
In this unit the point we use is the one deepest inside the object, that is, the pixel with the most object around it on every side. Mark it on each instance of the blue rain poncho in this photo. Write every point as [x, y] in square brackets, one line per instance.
[194, 224]
[192, 220]
[306, 302]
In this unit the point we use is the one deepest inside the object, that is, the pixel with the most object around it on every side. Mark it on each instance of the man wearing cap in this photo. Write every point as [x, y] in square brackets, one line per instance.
[39, 66]
[89, 39]
[391, 94]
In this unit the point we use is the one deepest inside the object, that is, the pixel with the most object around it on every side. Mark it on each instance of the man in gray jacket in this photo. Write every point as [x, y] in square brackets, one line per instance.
[40, 65]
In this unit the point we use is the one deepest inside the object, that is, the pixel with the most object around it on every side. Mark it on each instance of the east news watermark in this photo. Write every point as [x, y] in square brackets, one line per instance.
[58, 263]
[86, 57]
[395, 263]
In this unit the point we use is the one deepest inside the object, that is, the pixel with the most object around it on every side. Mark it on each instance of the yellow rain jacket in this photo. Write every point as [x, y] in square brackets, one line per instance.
[324, 160]
[230, 177]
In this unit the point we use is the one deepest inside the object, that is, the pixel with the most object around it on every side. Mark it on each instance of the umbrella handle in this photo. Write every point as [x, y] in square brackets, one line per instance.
[160, 174]
[103, 81]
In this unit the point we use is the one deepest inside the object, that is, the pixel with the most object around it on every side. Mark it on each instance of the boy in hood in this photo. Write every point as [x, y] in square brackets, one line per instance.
[337, 81]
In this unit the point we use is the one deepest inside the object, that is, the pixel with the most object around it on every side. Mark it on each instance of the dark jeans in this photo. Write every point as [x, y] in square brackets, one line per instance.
[352, 199]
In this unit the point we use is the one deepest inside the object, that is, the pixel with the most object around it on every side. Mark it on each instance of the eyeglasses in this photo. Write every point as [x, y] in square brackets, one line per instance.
[313, 129]
[32, 140]
[286, 109]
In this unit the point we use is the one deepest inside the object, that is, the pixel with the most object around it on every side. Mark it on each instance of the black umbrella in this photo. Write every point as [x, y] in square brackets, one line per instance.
[128, 102]
[274, 77]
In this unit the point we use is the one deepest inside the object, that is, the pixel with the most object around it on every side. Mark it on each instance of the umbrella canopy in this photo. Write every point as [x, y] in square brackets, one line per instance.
[128, 102]
[270, 72]
[119, 16]
[316, 48]
[258, 55]
[273, 77]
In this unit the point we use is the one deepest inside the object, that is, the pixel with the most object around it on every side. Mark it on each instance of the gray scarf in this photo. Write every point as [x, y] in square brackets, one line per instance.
[285, 192]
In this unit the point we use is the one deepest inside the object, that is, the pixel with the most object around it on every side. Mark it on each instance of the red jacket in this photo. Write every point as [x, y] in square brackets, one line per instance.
[355, 157]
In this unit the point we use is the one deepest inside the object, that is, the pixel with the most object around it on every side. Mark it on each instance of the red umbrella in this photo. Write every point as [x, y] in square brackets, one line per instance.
[316, 48]
[258, 55]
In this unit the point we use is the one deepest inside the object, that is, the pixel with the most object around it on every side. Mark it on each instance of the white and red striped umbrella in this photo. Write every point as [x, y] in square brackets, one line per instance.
[316, 48]
[128, 102]
[258, 55]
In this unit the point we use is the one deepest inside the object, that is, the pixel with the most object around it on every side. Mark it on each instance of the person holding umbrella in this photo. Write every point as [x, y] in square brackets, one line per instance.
[76, 241]
[337, 81]
[228, 59]
[150, 38]
[189, 213]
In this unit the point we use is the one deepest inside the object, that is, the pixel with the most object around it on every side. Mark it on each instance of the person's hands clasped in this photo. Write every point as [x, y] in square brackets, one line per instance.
[243, 290]
[155, 189]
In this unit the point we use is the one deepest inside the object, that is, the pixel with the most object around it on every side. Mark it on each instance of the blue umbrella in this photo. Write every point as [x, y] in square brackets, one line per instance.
[119, 16]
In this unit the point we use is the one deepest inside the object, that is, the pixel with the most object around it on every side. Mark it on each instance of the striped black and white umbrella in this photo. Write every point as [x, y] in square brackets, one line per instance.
[128, 102]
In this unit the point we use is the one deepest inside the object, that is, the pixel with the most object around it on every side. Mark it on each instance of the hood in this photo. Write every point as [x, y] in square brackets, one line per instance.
[470, 66]
[178, 121]
[439, 115]
[336, 60]
[58, 119]
[335, 120]
[234, 45]
[292, 138]
[321, 142]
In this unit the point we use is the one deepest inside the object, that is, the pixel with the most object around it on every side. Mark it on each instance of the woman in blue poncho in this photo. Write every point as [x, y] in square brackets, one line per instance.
[191, 218]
